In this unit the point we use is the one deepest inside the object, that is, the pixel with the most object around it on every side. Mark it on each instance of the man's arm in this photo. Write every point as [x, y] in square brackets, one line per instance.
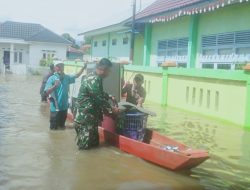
[50, 87]
[81, 71]
[101, 98]
[142, 97]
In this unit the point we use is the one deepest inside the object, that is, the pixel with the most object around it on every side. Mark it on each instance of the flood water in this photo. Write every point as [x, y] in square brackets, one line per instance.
[32, 157]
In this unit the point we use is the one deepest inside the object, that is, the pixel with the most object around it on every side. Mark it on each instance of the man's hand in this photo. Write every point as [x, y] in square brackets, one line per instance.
[82, 69]
[115, 110]
[57, 83]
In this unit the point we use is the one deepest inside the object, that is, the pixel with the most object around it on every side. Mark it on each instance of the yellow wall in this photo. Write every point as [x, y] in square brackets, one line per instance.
[152, 84]
[227, 99]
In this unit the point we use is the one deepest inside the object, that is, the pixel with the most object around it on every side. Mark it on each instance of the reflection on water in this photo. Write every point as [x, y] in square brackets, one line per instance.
[228, 145]
[33, 157]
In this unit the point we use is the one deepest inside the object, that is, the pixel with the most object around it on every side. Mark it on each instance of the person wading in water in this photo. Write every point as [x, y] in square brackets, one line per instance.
[92, 103]
[57, 87]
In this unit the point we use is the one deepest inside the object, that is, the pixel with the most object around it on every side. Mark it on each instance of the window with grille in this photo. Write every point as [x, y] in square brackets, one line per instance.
[18, 57]
[174, 50]
[125, 41]
[104, 43]
[225, 50]
[114, 42]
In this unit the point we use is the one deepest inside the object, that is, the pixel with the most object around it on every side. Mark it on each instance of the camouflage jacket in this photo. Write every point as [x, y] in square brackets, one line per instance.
[92, 101]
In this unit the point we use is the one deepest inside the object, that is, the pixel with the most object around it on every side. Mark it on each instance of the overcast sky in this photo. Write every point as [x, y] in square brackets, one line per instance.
[68, 16]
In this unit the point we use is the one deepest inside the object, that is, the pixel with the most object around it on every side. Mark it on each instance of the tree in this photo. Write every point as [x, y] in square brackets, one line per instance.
[87, 40]
[68, 37]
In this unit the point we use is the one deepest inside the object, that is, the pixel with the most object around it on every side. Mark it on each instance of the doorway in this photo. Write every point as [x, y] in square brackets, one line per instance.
[6, 59]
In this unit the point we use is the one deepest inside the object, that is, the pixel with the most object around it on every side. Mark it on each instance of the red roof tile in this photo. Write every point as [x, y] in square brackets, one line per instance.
[161, 6]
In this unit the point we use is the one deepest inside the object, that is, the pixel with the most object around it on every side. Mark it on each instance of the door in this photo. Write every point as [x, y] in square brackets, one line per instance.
[6, 59]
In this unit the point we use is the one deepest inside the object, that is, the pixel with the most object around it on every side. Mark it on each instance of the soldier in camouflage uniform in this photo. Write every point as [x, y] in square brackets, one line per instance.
[92, 103]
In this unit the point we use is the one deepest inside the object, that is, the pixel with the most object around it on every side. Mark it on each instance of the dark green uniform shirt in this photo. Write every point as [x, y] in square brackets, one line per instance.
[92, 101]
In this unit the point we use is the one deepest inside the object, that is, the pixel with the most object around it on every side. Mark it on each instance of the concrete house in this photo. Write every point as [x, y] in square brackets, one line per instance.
[210, 43]
[111, 41]
[25, 44]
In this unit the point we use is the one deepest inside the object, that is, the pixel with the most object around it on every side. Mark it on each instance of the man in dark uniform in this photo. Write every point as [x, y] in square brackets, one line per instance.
[136, 94]
[92, 103]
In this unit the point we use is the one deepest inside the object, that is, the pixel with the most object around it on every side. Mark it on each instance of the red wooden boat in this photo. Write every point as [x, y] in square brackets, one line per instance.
[152, 148]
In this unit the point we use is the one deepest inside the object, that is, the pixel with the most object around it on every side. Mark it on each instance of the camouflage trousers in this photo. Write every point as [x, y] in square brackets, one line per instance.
[86, 135]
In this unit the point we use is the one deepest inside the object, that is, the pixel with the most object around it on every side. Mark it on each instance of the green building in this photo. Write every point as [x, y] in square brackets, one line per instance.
[111, 41]
[209, 41]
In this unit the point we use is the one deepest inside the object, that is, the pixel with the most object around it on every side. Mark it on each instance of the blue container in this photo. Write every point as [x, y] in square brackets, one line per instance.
[134, 125]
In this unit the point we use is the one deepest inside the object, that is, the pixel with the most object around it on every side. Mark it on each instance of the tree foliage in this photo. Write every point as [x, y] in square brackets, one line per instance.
[68, 37]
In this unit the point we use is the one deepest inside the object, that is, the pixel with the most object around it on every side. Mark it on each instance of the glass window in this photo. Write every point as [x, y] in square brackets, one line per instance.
[225, 51]
[104, 43]
[174, 49]
[236, 44]
[114, 42]
[125, 41]
[224, 66]
[208, 52]
[15, 57]
[207, 66]
[182, 52]
[184, 65]
[95, 44]
[239, 66]
[171, 53]
[44, 55]
[20, 57]
[243, 50]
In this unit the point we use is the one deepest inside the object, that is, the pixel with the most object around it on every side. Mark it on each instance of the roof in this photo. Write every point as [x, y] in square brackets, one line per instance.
[111, 28]
[161, 6]
[162, 10]
[30, 32]
[74, 50]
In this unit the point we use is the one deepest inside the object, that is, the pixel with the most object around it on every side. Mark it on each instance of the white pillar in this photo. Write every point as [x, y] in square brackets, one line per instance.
[11, 56]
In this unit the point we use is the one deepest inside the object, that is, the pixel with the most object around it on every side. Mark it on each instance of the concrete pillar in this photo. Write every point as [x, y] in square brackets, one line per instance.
[147, 44]
[164, 97]
[192, 41]
[247, 112]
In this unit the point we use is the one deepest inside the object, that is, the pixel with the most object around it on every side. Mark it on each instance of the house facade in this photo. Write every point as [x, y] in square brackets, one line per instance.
[25, 44]
[111, 41]
[196, 34]
[209, 43]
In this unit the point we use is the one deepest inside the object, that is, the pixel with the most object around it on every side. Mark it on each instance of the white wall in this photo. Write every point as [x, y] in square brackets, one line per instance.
[18, 68]
[36, 51]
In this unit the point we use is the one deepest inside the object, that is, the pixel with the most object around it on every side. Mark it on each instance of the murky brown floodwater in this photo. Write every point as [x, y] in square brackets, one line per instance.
[32, 157]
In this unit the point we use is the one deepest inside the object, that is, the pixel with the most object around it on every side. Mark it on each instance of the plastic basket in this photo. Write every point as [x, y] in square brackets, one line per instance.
[134, 125]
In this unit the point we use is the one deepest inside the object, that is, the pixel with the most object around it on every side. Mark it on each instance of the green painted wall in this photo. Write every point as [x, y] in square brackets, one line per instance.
[228, 19]
[100, 51]
[169, 30]
[138, 50]
[222, 94]
[192, 41]
[120, 50]
[147, 44]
